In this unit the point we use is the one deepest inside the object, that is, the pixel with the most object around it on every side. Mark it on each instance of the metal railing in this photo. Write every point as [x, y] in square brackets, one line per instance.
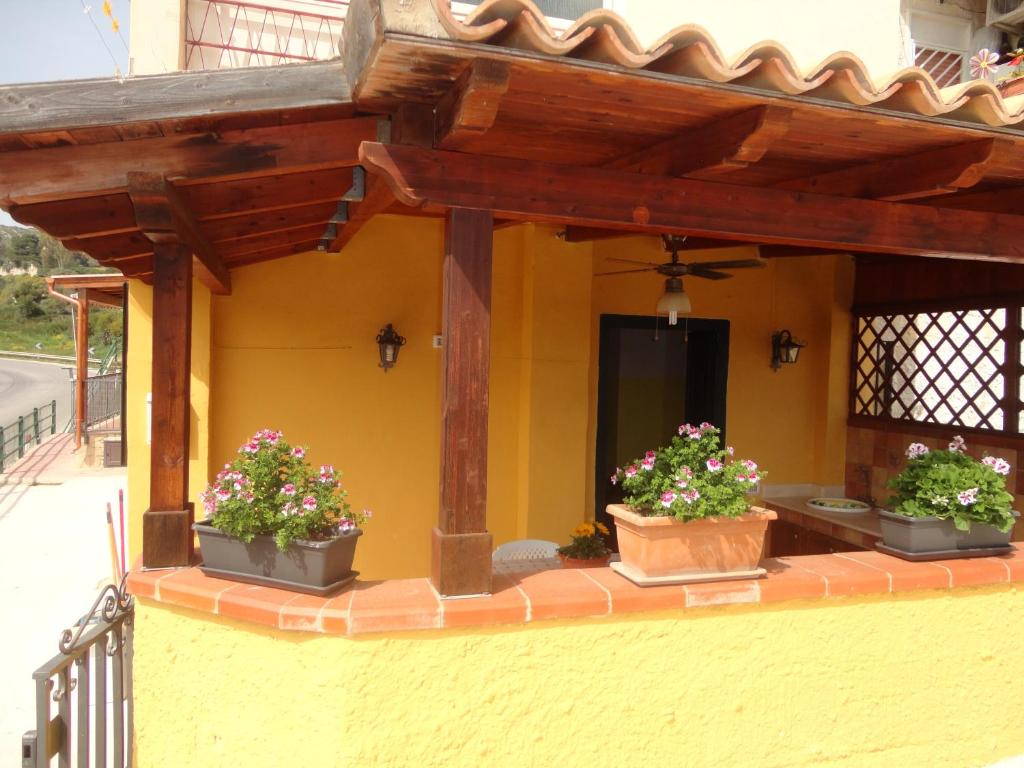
[76, 680]
[27, 431]
[229, 33]
[102, 398]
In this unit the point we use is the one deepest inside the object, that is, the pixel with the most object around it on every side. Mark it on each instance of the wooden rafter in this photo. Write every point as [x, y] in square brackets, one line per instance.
[470, 108]
[722, 145]
[925, 174]
[163, 217]
[599, 197]
[39, 175]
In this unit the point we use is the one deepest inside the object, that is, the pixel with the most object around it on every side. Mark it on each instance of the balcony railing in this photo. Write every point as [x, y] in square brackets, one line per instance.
[228, 33]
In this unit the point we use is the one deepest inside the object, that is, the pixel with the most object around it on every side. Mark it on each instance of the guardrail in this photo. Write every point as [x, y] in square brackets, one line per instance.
[40, 357]
[26, 431]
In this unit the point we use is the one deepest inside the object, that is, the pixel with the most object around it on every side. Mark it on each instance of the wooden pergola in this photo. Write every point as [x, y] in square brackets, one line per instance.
[491, 120]
[105, 290]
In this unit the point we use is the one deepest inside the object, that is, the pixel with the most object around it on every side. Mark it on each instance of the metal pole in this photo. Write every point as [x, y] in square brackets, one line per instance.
[53, 417]
[21, 436]
[35, 425]
[3, 449]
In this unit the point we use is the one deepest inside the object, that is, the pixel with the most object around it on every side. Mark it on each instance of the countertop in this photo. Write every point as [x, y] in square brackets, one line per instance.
[862, 522]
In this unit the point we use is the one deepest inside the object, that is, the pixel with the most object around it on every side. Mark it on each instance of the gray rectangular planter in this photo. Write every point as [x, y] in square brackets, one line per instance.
[923, 536]
[314, 567]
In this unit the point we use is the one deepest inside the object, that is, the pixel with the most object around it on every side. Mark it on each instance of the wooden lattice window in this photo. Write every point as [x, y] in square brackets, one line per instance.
[948, 367]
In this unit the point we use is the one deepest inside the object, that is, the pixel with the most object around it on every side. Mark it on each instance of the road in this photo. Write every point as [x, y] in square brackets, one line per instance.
[24, 386]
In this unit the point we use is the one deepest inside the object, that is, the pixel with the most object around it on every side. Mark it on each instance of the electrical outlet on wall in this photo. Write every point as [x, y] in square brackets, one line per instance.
[435, 341]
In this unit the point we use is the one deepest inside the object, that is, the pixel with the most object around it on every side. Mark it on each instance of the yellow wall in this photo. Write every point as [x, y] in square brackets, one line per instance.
[872, 683]
[293, 348]
[793, 421]
[158, 35]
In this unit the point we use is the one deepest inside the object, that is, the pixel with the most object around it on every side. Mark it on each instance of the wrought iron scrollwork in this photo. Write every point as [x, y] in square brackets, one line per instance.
[111, 603]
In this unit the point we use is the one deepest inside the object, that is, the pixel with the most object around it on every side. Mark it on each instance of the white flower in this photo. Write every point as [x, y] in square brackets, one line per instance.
[957, 445]
[915, 450]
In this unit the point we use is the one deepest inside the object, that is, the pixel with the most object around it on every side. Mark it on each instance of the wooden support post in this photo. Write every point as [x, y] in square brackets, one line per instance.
[81, 364]
[167, 524]
[461, 552]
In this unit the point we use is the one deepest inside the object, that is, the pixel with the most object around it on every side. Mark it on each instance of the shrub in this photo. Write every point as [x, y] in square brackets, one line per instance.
[950, 485]
[689, 479]
[587, 542]
[271, 490]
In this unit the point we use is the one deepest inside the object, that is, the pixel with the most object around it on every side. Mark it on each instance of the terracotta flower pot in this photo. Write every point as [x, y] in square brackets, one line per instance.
[663, 550]
[575, 562]
[1013, 87]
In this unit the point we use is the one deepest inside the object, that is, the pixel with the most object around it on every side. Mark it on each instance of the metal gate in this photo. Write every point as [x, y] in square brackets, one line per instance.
[90, 684]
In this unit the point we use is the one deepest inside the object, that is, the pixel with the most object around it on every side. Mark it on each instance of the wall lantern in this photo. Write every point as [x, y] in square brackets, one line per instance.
[389, 342]
[784, 349]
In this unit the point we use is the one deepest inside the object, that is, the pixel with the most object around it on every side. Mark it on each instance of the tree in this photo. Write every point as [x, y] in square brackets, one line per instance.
[26, 248]
[29, 294]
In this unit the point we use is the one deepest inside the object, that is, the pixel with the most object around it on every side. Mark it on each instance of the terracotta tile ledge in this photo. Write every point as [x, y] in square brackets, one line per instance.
[405, 604]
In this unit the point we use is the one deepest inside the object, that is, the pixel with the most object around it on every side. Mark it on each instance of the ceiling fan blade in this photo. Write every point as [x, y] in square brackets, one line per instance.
[625, 272]
[738, 264]
[632, 261]
[710, 274]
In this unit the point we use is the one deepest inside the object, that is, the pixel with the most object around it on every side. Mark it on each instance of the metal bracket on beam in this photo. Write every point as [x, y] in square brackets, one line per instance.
[357, 191]
[341, 215]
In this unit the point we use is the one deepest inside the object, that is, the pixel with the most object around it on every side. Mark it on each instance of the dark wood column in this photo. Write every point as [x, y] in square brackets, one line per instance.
[461, 555]
[167, 524]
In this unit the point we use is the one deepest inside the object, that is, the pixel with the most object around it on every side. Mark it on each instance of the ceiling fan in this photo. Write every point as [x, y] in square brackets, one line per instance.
[674, 301]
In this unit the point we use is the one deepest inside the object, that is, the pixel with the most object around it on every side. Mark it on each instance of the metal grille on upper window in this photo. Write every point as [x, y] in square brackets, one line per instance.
[942, 367]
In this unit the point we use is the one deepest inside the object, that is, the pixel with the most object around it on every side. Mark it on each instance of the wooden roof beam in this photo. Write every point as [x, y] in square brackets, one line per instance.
[533, 191]
[163, 217]
[74, 104]
[60, 173]
[723, 145]
[470, 108]
[925, 174]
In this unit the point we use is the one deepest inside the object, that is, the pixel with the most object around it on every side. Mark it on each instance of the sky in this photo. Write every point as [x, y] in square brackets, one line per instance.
[54, 40]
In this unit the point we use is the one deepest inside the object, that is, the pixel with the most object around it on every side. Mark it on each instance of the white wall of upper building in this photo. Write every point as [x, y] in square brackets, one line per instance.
[168, 35]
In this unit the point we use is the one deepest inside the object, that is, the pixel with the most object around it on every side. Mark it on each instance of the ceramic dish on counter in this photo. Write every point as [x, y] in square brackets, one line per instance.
[826, 504]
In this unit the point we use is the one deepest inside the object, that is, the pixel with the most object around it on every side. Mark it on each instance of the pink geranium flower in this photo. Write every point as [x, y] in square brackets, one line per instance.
[309, 503]
[691, 495]
[714, 465]
[667, 498]
[615, 477]
[648, 462]
[223, 495]
[630, 471]
[288, 489]
[916, 450]
[299, 452]
[968, 497]
[958, 445]
[749, 465]
[1000, 466]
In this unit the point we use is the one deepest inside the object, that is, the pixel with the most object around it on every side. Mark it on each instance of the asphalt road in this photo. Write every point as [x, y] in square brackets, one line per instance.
[24, 386]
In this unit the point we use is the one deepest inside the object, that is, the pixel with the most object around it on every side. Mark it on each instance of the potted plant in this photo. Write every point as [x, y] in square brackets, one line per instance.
[587, 548]
[947, 504]
[273, 519]
[687, 515]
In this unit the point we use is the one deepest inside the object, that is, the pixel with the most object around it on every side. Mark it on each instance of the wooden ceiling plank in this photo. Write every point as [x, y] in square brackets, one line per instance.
[470, 108]
[69, 172]
[231, 250]
[727, 144]
[247, 197]
[112, 248]
[599, 197]
[164, 217]
[925, 174]
[73, 104]
[275, 253]
[263, 224]
[85, 217]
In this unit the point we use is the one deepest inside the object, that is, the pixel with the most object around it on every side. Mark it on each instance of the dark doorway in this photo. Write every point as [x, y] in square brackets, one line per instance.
[647, 387]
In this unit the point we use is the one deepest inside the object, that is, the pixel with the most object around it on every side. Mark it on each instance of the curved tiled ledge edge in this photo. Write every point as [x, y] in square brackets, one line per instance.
[406, 604]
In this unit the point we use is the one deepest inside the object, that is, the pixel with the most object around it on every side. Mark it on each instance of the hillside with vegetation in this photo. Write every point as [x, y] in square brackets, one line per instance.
[32, 320]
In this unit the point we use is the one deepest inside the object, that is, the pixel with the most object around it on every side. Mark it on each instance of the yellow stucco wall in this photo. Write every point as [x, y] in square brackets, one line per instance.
[918, 681]
[793, 421]
[293, 348]
[157, 35]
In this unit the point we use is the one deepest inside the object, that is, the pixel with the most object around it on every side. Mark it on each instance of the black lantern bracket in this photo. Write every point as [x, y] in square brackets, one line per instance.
[389, 342]
[785, 349]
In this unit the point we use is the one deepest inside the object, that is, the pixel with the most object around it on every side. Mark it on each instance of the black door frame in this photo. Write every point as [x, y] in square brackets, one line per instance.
[607, 384]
